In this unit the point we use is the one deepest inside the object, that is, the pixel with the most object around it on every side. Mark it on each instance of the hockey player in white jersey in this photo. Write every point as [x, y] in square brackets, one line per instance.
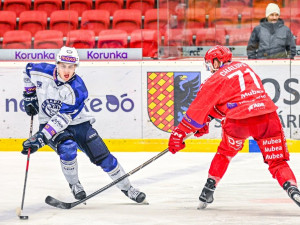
[57, 94]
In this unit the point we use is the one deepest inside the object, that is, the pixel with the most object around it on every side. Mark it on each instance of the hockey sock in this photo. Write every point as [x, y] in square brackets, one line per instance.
[70, 170]
[218, 167]
[118, 172]
[282, 172]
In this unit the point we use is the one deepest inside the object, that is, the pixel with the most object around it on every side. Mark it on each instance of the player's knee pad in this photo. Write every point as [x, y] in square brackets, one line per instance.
[95, 148]
[109, 163]
[273, 149]
[67, 150]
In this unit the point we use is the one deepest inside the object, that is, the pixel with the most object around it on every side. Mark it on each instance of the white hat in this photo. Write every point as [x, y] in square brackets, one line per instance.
[272, 8]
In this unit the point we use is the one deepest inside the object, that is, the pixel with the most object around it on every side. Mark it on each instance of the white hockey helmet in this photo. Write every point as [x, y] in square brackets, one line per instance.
[68, 55]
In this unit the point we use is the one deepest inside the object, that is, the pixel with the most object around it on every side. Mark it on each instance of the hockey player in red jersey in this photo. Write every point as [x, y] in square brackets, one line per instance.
[235, 94]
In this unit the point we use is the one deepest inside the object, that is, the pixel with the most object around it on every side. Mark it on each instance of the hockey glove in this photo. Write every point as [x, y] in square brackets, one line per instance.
[202, 131]
[35, 142]
[31, 103]
[176, 140]
[205, 129]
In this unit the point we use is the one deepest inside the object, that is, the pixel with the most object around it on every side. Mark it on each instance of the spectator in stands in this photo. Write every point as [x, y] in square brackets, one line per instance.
[271, 38]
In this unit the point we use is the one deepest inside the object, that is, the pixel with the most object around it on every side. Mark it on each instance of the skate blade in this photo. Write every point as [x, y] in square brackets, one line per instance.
[296, 199]
[202, 205]
[145, 202]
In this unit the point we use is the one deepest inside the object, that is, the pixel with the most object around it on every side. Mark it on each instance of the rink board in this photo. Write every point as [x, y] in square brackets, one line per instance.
[119, 98]
[154, 145]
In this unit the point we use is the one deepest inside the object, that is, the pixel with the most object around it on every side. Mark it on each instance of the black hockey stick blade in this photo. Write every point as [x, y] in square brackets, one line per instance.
[58, 204]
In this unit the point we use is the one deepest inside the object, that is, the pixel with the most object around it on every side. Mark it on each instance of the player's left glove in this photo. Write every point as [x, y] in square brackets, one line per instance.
[31, 103]
[176, 140]
[35, 142]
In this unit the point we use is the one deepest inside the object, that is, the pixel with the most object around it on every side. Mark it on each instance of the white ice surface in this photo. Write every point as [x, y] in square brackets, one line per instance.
[246, 195]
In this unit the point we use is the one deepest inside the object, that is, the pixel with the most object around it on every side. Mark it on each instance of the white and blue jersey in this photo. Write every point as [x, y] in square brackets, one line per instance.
[60, 103]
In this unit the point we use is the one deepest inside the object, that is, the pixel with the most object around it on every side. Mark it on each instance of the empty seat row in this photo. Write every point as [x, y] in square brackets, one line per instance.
[49, 6]
[130, 19]
[143, 5]
[146, 39]
[108, 38]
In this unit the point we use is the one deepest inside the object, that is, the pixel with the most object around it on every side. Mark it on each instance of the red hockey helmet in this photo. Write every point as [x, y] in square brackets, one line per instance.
[222, 53]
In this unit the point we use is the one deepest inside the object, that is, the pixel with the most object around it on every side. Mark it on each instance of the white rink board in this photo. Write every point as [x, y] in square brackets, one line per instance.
[130, 78]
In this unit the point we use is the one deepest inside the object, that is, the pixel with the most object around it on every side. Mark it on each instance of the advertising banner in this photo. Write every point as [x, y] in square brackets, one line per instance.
[84, 54]
[138, 101]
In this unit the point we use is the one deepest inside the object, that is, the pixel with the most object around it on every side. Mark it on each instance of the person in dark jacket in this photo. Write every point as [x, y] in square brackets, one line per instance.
[271, 39]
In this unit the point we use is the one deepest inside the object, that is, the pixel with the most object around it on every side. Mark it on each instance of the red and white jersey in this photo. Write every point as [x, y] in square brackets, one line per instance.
[235, 91]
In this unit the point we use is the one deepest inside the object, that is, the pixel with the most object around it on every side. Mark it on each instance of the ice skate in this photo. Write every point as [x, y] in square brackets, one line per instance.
[206, 196]
[135, 195]
[293, 192]
[78, 191]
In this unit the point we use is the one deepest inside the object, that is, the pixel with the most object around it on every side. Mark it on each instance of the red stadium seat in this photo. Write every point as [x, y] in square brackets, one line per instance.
[195, 18]
[295, 26]
[172, 5]
[207, 5]
[17, 6]
[149, 40]
[292, 3]
[8, 21]
[81, 39]
[250, 17]
[178, 37]
[223, 17]
[298, 39]
[48, 6]
[238, 36]
[142, 5]
[78, 5]
[263, 3]
[236, 4]
[155, 18]
[64, 20]
[48, 39]
[291, 17]
[112, 39]
[17, 39]
[210, 37]
[127, 19]
[95, 20]
[285, 14]
[110, 5]
[33, 21]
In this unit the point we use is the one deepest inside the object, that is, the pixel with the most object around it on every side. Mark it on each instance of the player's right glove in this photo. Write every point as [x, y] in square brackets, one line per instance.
[205, 129]
[35, 142]
[31, 103]
[176, 140]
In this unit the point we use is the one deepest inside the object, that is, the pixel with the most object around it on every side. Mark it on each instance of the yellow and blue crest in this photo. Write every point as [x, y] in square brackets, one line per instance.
[169, 96]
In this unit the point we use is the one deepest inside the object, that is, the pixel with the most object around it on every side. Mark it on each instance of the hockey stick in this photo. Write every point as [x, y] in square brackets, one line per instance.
[64, 205]
[19, 210]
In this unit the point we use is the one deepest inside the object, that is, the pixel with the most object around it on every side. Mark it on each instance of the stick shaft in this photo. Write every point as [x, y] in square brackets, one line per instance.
[27, 165]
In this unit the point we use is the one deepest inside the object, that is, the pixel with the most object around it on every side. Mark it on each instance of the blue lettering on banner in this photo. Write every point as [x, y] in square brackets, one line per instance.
[106, 55]
[41, 55]
[111, 104]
